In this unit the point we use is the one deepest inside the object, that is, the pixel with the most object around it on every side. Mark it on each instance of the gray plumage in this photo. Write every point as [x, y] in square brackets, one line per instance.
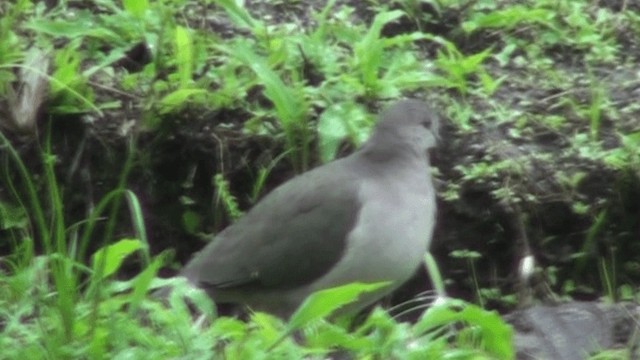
[367, 217]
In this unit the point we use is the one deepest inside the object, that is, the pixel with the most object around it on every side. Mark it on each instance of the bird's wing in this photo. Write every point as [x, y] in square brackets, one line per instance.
[291, 237]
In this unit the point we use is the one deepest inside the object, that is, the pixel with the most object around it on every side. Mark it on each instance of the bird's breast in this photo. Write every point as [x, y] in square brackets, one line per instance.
[398, 217]
[391, 234]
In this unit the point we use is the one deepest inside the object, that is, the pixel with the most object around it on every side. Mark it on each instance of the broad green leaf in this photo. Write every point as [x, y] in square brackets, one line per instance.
[337, 123]
[324, 302]
[142, 282]
[135, 7]
[494, 332]
[191, 221]
[107, 260]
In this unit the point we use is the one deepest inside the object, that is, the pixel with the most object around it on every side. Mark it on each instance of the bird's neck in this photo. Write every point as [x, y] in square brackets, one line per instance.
[396, 151]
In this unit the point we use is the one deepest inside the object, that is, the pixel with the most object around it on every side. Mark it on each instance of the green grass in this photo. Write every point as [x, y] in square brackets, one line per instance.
[502, 73]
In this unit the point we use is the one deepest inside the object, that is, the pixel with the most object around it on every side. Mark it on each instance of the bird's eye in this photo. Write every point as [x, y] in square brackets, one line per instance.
[426, 124]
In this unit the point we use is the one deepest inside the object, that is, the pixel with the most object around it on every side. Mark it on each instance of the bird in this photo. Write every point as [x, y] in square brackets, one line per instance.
[367, 217]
